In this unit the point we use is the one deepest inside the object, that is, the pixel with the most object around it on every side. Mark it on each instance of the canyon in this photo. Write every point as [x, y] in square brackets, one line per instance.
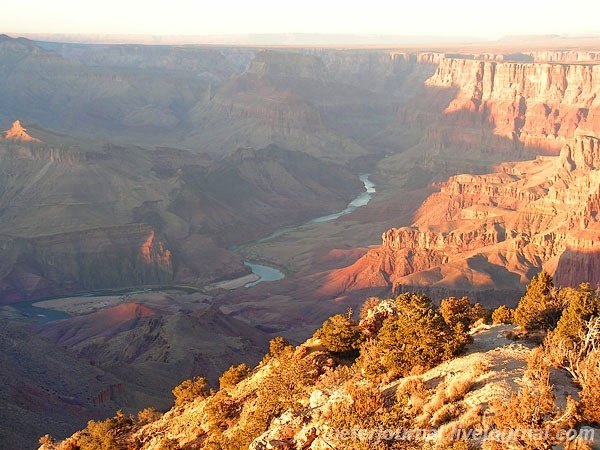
[157, 166]
[492, 232]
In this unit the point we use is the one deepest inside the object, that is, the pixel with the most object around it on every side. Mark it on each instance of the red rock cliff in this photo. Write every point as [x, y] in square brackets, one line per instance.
[537, 104]
[494, 231]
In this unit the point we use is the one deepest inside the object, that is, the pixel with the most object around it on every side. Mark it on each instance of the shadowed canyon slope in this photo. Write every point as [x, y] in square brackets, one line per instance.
[111, 216]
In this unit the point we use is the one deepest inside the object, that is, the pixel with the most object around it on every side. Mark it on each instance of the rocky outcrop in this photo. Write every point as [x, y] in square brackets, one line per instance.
[539, 105]
[17, 133]
[495, 231]
[280, 64]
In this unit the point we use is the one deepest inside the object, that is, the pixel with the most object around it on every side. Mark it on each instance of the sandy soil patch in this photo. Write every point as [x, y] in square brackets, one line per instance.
[236, 282]
[78, 306]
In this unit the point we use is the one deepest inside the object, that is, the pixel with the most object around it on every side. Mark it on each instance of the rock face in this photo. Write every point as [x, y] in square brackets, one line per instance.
[210, 99]
[129, 255]
[494, 231]
[18, 133]
[539, 105]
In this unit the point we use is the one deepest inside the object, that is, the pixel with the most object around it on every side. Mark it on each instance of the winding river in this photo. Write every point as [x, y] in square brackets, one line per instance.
[266, 273]
[28, 311]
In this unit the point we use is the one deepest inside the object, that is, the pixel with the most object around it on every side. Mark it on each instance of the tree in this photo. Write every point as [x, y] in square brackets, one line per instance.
[540, 307]
[188, 390]
[416, 336]
[340, 334]
[232, 376]
[461, 310]
[503, 314]
[582, 303]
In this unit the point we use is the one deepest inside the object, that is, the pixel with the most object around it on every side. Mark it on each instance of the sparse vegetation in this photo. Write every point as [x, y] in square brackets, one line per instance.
[533, 406]
[148, 415]
[503, 315]
[189, 390]
[234, 375]
[407, 336]
[106, 434]
[540, 308]
[340, 334]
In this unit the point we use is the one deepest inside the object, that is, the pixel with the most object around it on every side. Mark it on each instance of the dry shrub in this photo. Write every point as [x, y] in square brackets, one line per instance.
[590, 392]
[189, 390]
[471, 419]
[480, 367]
[533, 406]
[412, 392]
[232, 376]
[409, 386]
[459, 386]
[337, 376]
[446, 413]
[148, 415]
[435, 403]
[555, 348]
[367, 306]
[503, 314]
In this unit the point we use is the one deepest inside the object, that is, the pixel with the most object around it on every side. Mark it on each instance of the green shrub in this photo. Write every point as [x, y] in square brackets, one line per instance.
[416, 336]
[461, 310]
[232, 376]
[582, 303]
[503, 314]
[189, 390]
[340, 334]
[540, 307]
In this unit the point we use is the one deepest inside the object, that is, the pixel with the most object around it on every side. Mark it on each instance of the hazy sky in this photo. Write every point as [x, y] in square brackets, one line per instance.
[187, 17]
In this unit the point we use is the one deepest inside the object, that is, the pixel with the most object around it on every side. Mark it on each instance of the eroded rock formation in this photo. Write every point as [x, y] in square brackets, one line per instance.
[494, 231]
[537, 104]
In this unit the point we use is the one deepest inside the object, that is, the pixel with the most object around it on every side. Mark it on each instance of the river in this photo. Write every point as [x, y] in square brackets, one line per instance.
[266, 273]
[30, 313]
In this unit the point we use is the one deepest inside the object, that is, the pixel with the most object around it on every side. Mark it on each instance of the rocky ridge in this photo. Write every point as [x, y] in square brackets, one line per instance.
[494, 231]
[492, 368]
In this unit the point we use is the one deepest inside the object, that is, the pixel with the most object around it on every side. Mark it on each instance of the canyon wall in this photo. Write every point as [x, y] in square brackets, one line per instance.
[487, 235]
[129, 255]
[537, 104]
